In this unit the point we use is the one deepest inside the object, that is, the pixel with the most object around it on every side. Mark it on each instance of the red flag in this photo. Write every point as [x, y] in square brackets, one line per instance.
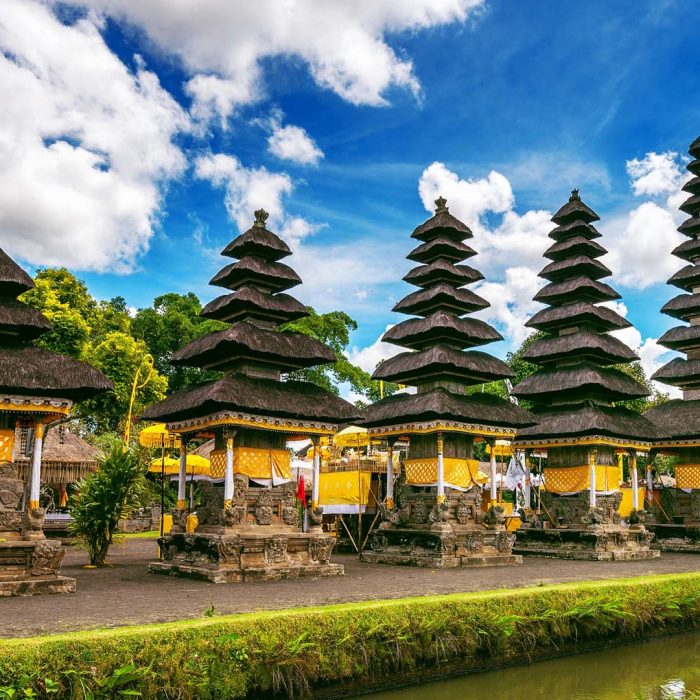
[301, 491]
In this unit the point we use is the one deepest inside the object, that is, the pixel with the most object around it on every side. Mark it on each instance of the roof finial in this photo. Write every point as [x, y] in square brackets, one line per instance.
[260, 218]
[574, 195]
[441, 206]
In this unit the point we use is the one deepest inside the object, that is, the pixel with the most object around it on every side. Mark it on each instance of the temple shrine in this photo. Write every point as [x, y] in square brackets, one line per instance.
[574, 396]
[250, 524]
[433, 515]
[678, 513]
[37, 388]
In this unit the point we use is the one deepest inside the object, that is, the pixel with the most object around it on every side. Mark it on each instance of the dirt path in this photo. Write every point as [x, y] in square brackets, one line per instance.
[128, 594]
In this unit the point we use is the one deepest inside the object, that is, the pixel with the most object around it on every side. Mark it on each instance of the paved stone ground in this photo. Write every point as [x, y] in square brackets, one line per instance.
[128, 594]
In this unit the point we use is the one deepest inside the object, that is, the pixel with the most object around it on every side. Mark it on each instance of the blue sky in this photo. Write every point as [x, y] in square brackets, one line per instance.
[501, 106]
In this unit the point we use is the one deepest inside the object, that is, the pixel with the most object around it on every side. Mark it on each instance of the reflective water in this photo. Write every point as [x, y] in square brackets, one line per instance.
[657, 670]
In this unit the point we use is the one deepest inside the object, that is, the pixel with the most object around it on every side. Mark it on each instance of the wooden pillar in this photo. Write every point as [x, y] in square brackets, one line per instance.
[494, 486]
[440, 469]
[228, 474]
[317, 472]
[591, 478]
[182, 476]
[35, 476]
[390, 477]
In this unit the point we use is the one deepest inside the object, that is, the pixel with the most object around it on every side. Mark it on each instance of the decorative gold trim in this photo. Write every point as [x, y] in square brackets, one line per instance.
[422, 427]
[282, 425]
[570, 442]
[35, 404]
[676, 443]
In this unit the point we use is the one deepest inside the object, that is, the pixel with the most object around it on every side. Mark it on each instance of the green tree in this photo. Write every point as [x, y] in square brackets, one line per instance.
[104, 497]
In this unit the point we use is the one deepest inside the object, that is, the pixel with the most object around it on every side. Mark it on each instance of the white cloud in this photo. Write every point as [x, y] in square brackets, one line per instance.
[656, 174]
[369, 357]
[294, 144]
[343, 43]
[84, 144]
[213, 96]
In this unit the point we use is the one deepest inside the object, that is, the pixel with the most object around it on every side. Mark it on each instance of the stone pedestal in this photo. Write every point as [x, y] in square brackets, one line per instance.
[256, 538]
[572, 530]
[458, 533]
[677, 526]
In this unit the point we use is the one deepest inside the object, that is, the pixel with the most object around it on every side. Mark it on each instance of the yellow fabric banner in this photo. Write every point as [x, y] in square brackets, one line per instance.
[573, 479]
[462, 473]
[344, 488]
[7, 443]
[255, 462]
[688, 476]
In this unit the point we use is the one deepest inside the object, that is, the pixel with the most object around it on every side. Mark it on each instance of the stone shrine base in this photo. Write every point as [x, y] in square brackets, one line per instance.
[245, 555]
[676, 537]
[605, 542]
[31, 568]
[441, 547]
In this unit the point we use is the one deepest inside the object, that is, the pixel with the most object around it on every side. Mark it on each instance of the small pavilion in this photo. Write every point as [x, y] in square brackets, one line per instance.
[433, 516]
[250, 524]
[678, 526]
[574, 396]
[37, 388]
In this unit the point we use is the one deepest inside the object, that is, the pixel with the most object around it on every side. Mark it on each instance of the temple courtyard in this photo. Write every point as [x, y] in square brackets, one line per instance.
[126, 594]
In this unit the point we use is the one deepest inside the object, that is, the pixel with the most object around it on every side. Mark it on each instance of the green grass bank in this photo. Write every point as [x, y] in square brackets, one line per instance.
[347, 647]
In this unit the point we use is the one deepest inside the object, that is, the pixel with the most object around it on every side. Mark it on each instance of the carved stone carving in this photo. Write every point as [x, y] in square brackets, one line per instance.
[320, 549]
[276, 549]
[505, 542]
[46, 558]
[234, 514]
[10, 520]
[290, 515]
[11, 488]
[229, 550]
[474, 543]
[439, 512]
[263, 509]
[315, 515]
[33, 523]
[179, 520]
[495, 515]
[420, 511]
[695, 504]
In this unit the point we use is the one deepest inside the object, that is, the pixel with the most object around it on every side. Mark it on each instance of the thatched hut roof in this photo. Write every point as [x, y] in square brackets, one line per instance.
[19, 322]
[250, 302]
[574, 210]
[677, 419]
[576, 245]
[681, 338]
[691, 205]
[257, 272]
[443, 224]
[441, 248]
[260, 242]
[690, 227]
[442, 271]
[13, 279]
[683, 306]
[244, 342]
[679, 372]
[580, 314]
[584, 344]
[694, 166]
[579, 288]
[688, 250]
[441, 297]
[692, 185]
[694, 148]
[686, 278]
[575, 265]
[251, 395]
[574, 229]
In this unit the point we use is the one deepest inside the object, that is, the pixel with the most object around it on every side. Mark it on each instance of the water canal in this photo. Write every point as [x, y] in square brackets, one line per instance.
[657, 670]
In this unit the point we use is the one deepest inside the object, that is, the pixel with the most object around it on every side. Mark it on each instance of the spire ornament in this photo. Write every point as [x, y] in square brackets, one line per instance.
[261, 217]
[441, 206]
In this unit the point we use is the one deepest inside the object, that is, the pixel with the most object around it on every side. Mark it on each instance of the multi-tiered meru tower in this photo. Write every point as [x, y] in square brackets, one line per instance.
[678, 515]
[434, 516]
[574, 396]
[37, 388]
[249, 525]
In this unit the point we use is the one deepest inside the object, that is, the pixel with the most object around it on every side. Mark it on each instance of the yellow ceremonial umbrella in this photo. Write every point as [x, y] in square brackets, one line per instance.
[352, 436]
[196, 466]
[503, 448]
[158, 435]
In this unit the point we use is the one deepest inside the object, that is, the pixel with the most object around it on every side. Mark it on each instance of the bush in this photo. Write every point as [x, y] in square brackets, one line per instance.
[104, 496]
[364, 645]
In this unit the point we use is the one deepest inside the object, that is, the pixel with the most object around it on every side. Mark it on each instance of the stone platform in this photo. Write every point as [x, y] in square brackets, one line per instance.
[682, 532]
[31, 567]
[676, 537]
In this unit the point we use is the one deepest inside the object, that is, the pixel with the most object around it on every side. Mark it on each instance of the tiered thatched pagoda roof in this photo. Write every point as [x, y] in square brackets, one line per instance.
[29, 371]
[252, 351]
[679, 419]
[437, 363]
[574, 391]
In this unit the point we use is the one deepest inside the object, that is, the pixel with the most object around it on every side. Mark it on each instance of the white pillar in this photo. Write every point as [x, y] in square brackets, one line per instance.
[317, 473]
[650, 482]
[528, 485]
[182, 476]
[635, 482]
[35, 482]
[591, 477]
[494, 487]
[440, 470]
[390, 477]
[228, 474]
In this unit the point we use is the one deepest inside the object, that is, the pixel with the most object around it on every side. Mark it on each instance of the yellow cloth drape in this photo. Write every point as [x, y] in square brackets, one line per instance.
[572, 479]
[688, 476]
[344, 488]
[462, 473]
[255, 462]
[7, 443]
[195, 464]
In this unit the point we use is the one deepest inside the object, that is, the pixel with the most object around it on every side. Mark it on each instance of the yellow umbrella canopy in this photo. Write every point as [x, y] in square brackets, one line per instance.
[503, 448]
[158, 436]
[352, 436]
[199, 466]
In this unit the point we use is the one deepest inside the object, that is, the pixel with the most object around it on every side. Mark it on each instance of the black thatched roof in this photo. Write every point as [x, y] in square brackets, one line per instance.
[441, 327]
[443, 224]
[690, 227]
[244, 342]
[686, 278]
[257, 272]
[263, 397]
[582, 345]
[576, 245]
[441, 247]
[442, 271]
[480, 408]
[29, 371]
[574, 210]
[576, 289]
[678, 419]
[688, 250]
[582, 314]
[691, 205]
[19, 322]
[442, 362]
[441, 297]
[681, 338]
[260, 242]
[249, 302]
[590, 420]
[683, 306]
[694, 166]
[575, 265]
[694, 149]
[679, 372]
[574, 229]
[576, 382]
[692, 186]
[13, 279]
